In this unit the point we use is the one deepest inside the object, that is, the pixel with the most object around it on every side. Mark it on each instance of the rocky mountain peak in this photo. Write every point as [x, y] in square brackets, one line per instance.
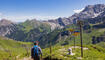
[5, 22]
[94, 8]
[90, 11]
[6, 27]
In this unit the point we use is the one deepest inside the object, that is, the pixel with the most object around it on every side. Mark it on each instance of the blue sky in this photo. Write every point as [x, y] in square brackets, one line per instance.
[20, 10]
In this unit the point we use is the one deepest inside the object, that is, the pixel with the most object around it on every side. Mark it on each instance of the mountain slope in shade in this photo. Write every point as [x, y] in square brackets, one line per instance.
[29, 30]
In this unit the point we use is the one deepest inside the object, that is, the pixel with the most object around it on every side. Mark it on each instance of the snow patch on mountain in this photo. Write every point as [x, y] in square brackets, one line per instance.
[97, 14]
[79, 10]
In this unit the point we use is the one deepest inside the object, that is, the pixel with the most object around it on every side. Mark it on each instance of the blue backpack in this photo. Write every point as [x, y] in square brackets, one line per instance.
[36, 50]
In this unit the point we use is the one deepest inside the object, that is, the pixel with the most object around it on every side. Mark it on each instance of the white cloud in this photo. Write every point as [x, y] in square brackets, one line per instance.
[79, 10]
[23, 18]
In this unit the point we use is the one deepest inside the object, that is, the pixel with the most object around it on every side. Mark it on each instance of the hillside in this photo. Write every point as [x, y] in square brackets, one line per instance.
[12, 50]
[91, 52]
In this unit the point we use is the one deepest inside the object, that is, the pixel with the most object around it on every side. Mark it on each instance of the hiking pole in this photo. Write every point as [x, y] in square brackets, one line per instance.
[80, 24]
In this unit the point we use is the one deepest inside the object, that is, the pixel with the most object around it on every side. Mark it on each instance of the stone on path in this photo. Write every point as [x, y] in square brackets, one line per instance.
[79, 58]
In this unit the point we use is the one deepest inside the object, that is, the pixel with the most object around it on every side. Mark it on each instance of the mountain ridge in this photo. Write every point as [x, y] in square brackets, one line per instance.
[33, 30]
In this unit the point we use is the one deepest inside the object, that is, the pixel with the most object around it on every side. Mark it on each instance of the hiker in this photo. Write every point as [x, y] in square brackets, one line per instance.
[36, 52]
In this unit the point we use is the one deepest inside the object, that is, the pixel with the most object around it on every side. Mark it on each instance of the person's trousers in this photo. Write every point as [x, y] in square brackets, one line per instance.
[37, 58]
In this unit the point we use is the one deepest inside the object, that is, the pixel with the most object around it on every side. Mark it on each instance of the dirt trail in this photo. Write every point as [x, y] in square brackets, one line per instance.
[26, 58]
[84, 48]
[64, 49]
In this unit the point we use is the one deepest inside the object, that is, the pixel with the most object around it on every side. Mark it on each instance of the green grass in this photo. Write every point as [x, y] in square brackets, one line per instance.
[9, 49]
[60, 52]
[87, 37]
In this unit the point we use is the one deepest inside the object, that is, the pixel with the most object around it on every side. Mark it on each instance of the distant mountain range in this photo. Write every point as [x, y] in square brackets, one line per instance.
[32, 30]
[90, 11]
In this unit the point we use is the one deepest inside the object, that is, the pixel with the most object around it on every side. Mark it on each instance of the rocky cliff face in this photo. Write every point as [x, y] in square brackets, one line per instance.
[6, 27]
[90, 11]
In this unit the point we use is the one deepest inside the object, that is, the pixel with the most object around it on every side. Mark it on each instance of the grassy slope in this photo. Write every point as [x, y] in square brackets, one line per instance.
[87, 37]
[29, 25]
[94, 52]
[9, 49]
[60, 52]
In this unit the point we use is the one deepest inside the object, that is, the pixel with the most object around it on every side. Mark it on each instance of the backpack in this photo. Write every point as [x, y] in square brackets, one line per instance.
[36, 50]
